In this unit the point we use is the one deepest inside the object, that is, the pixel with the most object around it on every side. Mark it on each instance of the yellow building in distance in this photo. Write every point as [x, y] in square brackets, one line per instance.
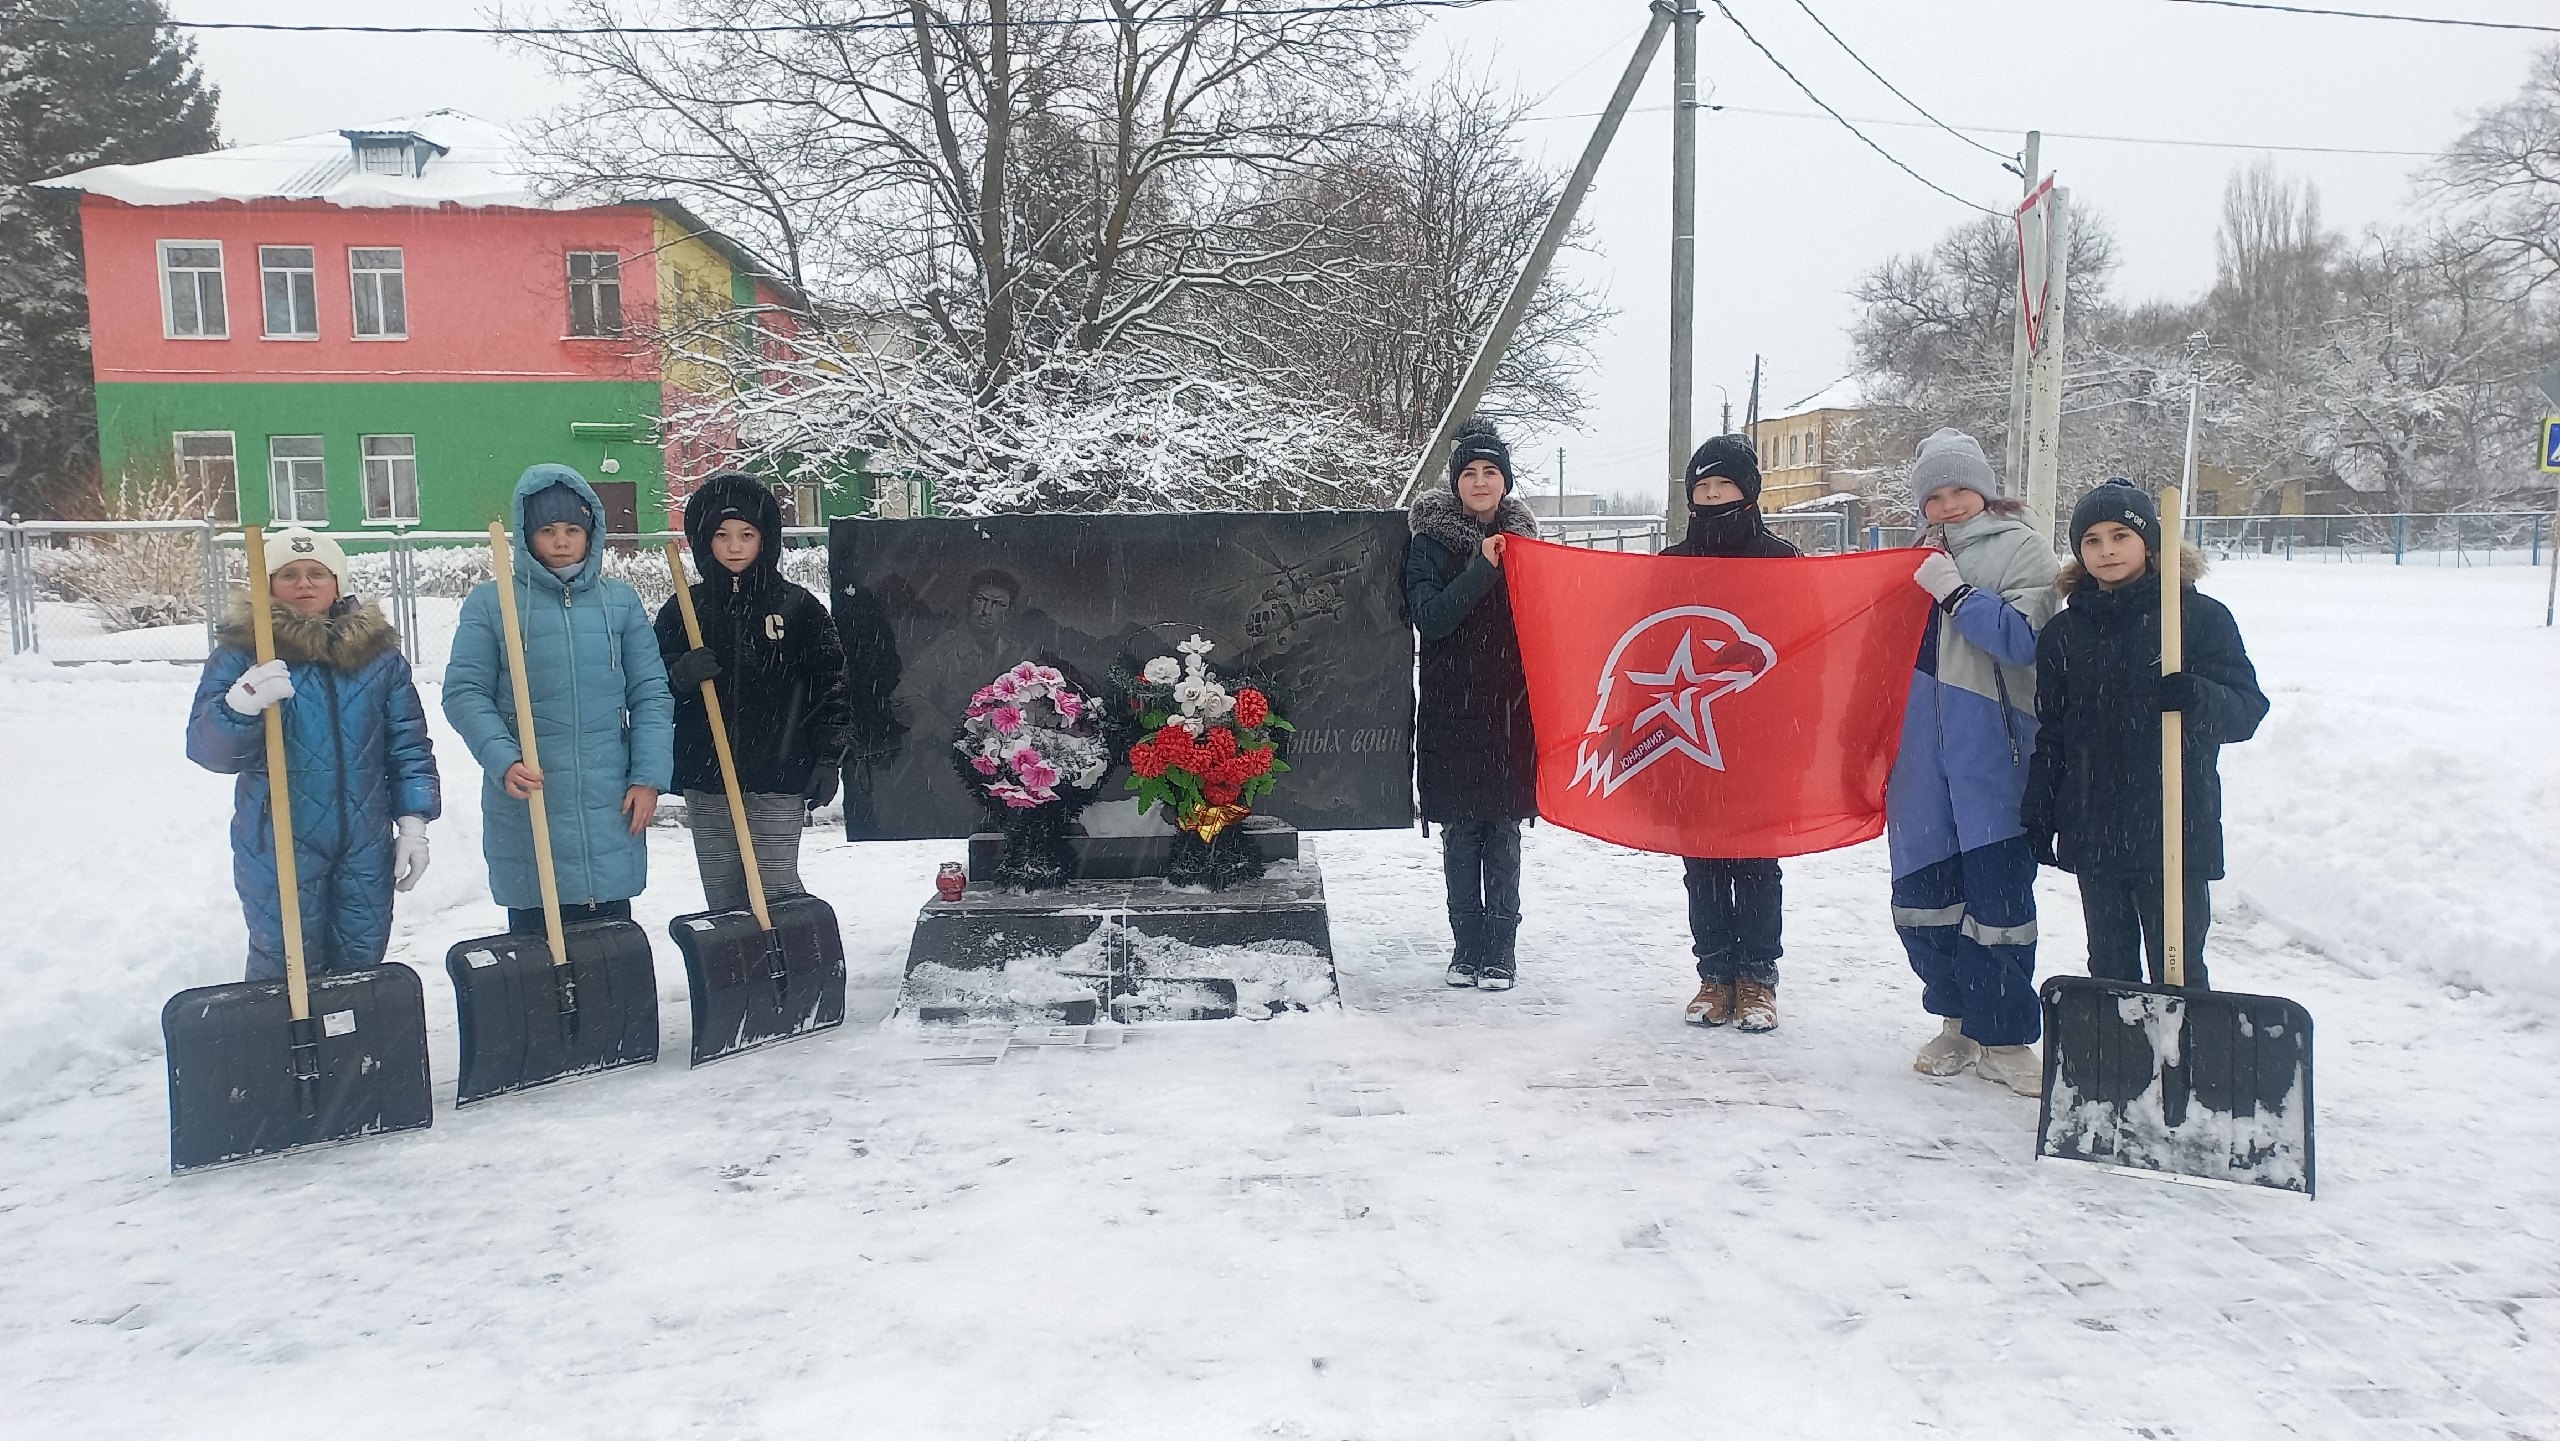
[1799, 454]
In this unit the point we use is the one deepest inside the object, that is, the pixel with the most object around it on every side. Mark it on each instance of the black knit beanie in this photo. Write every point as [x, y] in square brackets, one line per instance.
[1478, 440]
[2117, 499]
[1732, 456]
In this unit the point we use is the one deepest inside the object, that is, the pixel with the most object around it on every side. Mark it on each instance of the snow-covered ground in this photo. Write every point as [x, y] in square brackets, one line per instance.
[1556, 1213]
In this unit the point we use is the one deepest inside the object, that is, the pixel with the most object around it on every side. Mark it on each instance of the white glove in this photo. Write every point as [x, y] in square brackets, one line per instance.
[408, 852]
[1938, 575]
[259, 687]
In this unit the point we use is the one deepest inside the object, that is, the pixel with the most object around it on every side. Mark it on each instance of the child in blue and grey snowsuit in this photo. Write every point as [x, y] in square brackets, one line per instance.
[601, 711]
[1964, 872]
[359, 766]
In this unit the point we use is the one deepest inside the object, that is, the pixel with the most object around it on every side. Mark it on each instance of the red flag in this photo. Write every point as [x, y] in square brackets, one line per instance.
[1715, 707]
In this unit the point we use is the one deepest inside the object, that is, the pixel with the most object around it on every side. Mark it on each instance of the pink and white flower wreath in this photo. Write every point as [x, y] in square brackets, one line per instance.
[1028, 734]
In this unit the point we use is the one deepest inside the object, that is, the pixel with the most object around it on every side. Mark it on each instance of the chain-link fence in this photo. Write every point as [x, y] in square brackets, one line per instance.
[2459, 538]
[1605, 532]
[77, 591]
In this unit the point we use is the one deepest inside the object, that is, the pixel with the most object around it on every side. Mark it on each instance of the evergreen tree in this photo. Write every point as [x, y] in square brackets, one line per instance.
[82, 83]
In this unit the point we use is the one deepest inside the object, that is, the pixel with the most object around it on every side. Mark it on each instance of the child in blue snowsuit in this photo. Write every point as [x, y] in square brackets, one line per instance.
[1964, 870]
[359, 765]
[605, 722]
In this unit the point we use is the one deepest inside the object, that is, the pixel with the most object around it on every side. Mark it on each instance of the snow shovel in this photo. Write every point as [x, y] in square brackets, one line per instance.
[264, 1067]
[2163, 1079]
[576, 1000]
[774, 970]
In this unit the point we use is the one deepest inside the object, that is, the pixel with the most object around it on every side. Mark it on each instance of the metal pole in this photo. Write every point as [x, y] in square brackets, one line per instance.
[10, 544]
[1498, 339]
[2015, 472]
[1559, 480]
[1684, 257]
[2551, 586]
[212, 583]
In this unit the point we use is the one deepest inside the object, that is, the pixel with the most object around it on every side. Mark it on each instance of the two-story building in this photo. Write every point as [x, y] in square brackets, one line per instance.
[1799, 454]
[384, 326]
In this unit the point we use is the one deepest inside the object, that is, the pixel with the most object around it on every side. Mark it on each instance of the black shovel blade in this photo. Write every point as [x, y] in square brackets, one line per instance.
[752, 987]
[239, 1090]
[526, 1022]
[2209, 1084]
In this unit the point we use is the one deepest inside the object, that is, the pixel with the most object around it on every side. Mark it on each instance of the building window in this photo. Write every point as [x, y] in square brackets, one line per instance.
[297, 480]
[209, 468]
[289, 284]
[595, 293]
[382, 294]
[391, 480]
[191, 290]
[382, 157]
[1795, 449]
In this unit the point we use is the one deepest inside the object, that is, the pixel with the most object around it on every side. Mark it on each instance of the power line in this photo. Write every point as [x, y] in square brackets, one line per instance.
[2008, 162]
[856, 25]
[2376, 15]
[1863, 137]
[2013, 130]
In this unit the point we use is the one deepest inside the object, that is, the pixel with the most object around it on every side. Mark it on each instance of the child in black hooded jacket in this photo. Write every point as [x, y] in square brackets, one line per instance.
[772, 651]
[1735, 920]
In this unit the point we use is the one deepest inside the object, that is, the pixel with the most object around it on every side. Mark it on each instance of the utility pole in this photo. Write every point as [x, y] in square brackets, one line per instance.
[1727, 428]
[2044, 370]
[1497, 339]
[2014, 470]
[1684, 254]
[1751, 407]
[1559, 480]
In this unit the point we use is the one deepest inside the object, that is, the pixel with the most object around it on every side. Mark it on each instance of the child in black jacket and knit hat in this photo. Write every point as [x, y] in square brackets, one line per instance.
[2092, 803]
[1734, 905]
[772, 653]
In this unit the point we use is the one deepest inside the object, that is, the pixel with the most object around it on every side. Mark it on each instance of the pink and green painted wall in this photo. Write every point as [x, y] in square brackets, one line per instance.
[486, 375]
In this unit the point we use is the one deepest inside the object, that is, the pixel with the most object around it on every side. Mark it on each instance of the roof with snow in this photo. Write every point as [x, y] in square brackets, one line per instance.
[442, 157]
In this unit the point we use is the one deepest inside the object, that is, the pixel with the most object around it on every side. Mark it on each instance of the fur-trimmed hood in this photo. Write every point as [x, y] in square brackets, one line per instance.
[348, 639]
[1440, 515]
[2192, 564]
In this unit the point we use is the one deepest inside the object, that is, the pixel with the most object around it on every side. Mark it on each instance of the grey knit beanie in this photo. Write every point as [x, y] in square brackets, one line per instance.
[1951, 457]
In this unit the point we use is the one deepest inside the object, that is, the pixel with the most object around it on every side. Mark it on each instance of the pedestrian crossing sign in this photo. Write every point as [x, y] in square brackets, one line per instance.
[2551, 443]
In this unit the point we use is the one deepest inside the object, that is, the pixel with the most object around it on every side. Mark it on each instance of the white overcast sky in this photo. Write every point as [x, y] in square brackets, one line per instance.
[1792, 209]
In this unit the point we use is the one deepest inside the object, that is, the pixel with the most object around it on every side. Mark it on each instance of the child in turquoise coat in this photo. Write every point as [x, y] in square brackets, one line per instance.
[604, 721]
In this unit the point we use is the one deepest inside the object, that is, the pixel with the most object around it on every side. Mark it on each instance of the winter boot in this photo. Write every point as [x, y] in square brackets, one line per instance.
[1755, 1006]
[1712, 1005]
[1498, 964]
[1948, 1053]
[2017, 1067]
[1467, 954]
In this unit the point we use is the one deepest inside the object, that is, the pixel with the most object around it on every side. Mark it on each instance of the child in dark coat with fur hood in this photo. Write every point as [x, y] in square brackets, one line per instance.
[1475, 757]
[360, 768]
[2092, 804]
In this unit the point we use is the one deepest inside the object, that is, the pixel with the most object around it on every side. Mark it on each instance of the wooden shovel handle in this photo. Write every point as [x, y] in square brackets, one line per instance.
[2173, 752]
[720, 742]
[502, 561]
[262, 625]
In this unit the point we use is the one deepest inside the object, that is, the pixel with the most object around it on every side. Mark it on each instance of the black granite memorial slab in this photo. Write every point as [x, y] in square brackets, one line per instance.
[1128, 949]
[1118, 858]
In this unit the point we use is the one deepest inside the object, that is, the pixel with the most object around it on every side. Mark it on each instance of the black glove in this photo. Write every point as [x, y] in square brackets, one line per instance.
[2040, 844]
[2177, 691]
[693, 668]
[822, 786]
